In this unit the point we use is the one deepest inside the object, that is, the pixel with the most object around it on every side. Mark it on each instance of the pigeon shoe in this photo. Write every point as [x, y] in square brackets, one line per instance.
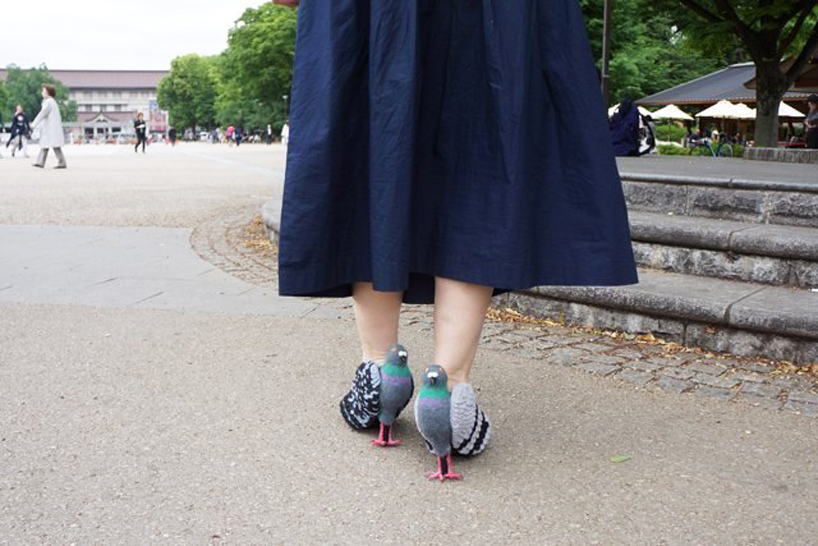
[471, 428]
[397, 387]
[361, 405]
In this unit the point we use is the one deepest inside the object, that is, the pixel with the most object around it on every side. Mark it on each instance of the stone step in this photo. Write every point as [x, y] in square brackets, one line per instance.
[756, 201]
[741, 251]
[714, 314]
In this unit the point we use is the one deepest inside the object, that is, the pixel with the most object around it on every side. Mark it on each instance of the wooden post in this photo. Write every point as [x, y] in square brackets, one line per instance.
[606, 52]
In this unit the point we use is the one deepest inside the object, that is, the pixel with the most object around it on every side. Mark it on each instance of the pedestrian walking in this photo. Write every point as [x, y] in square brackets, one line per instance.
[229, 135]
[811, 122]
[172, 136]
[477, 182]
[20, 130]
[238, 135]
[285, 133]
[141, 129]
[269, 134]
[49, 124]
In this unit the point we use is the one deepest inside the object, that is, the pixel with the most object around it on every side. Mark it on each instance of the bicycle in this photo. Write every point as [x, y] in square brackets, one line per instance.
[705, 147]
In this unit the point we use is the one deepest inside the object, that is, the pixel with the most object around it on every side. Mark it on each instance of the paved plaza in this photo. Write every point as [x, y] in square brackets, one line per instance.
[154, 388]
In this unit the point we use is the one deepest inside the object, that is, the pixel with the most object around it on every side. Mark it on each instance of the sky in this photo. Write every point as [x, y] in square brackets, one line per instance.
[116, 34]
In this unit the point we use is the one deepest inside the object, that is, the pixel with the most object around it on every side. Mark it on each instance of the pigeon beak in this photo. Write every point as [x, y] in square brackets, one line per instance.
[433, 375]
[403, 354]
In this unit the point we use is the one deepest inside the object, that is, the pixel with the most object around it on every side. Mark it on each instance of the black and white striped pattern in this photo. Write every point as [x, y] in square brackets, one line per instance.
[471, 428]
[361, 405]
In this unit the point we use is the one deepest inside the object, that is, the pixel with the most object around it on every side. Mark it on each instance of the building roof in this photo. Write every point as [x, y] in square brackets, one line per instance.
[727, 84]
[87, 117]
[106, 79]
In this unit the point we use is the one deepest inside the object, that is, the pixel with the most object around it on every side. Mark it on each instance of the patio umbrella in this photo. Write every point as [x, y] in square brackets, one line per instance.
[785, 111]
[671, 111]
[745, 112]
[724, 109]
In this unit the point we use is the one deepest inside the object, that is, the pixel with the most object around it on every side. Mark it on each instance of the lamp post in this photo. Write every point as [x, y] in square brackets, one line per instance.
[606, 51]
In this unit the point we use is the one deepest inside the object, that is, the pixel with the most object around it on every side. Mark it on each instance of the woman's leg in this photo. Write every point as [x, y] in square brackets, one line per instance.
[377, 315]
[460, 310]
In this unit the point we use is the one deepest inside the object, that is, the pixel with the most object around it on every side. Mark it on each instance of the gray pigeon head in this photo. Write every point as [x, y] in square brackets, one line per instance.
[435, 376]
[397, 354]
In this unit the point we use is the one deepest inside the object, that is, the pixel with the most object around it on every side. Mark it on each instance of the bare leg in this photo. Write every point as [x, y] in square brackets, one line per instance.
[460, 310]
[377, 315]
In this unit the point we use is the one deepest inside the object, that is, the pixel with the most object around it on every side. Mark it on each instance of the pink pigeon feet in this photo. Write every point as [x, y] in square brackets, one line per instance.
[385, 438]
[444, 470]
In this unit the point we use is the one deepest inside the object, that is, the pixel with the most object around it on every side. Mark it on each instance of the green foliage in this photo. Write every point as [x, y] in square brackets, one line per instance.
[188, 93]
[255, 72]
[700, 151]
[25, 87]
[767, 32]
[4, 100]
[670, 132]
[648, 54]
[670, 149]
[769, 20]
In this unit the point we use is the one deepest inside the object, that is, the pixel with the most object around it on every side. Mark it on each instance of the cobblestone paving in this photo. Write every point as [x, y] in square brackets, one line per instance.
[234, 241]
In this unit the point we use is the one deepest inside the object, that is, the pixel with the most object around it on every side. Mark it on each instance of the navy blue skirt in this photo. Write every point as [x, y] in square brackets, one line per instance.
[464, 139]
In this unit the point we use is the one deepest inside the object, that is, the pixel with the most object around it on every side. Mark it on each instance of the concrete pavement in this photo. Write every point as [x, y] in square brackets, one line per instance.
[719, 167]
[209, 416]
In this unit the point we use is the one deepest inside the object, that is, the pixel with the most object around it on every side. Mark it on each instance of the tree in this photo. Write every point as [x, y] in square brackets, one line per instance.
[5, 98]
[188, 92]
[256, 69]
[25, 87]
[769, 31]
[648, 53]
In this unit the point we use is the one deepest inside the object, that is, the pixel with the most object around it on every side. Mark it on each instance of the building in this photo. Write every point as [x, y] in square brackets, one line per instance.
[735, 83]
[107, 101]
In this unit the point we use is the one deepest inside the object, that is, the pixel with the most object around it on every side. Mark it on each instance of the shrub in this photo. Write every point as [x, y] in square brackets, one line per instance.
[670, 132]
[670, 149]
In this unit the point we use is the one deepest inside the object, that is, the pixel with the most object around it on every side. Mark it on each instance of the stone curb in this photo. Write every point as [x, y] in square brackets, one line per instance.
[765, 240]
[765, 309]
[723, 182]
[271, 216]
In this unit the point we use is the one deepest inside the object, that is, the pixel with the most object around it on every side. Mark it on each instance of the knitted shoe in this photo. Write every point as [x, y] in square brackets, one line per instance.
[361, 405]
[471, 428]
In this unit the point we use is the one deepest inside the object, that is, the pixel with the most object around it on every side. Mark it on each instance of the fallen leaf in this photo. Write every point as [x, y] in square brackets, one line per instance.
[616, 459]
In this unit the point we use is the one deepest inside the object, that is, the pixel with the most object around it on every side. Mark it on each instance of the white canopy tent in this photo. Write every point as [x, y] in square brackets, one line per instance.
[744, 112]
[724, 109]
[673, 112]
[785, 111]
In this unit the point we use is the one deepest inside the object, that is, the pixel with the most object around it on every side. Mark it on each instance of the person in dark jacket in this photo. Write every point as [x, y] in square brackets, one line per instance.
[238, 135]
[172, 136]
[141, 129]
[20, 129]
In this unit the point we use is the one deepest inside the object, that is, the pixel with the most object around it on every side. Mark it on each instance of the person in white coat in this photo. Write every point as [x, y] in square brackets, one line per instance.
[285, 133]
[49, 122]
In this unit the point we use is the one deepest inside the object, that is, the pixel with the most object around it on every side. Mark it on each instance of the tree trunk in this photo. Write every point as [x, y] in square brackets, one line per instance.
[770, 87]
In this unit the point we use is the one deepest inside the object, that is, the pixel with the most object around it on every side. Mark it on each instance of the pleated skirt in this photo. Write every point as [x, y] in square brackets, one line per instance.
[464, 139]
